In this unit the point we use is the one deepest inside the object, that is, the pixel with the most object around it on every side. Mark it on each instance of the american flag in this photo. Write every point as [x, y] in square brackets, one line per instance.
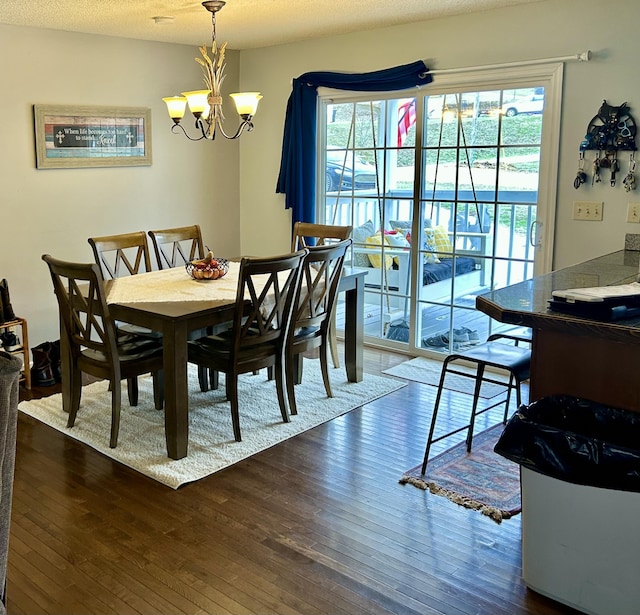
[406, 119]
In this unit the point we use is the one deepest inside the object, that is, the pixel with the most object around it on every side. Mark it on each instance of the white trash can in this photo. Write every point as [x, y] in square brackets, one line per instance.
[581, 544]
[580, 478]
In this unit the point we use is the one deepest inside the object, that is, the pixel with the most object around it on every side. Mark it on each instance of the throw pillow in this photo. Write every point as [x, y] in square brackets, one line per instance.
[396, 239]
[406, 224]
[376, 260]
[400, 225]
[359, 236]
[443, 243]
[430, 247]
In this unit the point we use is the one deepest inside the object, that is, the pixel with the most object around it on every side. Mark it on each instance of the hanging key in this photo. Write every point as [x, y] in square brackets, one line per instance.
[614, 169]
[581, 176]
[629, 180]
[596, 172]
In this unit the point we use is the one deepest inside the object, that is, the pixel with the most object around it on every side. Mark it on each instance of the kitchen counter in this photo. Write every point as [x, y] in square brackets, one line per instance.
[572, 355]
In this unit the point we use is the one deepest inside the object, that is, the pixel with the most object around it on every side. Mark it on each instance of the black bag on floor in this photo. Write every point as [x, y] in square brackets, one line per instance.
[398, 331]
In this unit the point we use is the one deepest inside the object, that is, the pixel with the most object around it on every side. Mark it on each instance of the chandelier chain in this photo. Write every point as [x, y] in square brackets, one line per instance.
[213, 28]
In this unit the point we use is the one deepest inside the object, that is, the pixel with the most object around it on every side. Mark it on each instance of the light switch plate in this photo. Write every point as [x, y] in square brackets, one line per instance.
[589, 210]
[633, 212]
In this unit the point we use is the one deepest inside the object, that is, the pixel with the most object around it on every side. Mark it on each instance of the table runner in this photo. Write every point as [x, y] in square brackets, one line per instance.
[174, 284]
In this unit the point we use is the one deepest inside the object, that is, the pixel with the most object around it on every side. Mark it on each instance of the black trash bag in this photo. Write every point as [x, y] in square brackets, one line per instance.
[576, 440]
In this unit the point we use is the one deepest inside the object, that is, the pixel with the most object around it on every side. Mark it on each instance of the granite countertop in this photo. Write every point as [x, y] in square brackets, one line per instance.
[525, 304]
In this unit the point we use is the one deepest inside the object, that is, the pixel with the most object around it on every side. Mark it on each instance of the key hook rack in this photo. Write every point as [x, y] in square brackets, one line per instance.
[611, 131]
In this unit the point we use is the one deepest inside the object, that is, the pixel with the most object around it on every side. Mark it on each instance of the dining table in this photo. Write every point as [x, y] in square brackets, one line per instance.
[172, 302]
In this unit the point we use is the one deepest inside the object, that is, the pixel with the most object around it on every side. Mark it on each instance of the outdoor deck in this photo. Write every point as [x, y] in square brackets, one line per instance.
[380, 327]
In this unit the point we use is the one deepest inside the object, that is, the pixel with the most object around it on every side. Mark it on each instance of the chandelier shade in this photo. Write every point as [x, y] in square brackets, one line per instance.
[206, 105]
[175, 106]
[246, 103]
[197, 101]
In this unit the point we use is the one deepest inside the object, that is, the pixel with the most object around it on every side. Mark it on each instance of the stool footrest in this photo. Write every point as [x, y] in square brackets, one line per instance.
[459, 429]
[484, 378]
[449, 434]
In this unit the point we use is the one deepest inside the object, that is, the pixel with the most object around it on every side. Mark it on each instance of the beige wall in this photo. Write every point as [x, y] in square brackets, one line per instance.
[539, 30]
[55, 210]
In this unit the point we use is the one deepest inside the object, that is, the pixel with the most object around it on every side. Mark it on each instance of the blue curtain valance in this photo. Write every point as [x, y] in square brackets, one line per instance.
[297, 178]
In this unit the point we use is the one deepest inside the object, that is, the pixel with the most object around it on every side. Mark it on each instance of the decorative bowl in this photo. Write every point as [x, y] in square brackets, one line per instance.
[208, 270]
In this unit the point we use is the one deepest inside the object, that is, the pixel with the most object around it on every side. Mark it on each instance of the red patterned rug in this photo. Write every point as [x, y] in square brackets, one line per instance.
[481, 480]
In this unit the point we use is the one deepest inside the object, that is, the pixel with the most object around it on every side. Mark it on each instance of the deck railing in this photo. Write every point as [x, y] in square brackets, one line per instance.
[475, 212]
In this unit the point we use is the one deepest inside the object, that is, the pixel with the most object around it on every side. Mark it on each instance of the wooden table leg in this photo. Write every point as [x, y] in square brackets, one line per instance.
[354, 331]
[176, 389]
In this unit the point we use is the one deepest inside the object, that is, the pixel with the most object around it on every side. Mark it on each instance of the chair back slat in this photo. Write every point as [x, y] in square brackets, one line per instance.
[120, 255]
[177, 246]
[321, 273]
[307, 234]
[267, 287]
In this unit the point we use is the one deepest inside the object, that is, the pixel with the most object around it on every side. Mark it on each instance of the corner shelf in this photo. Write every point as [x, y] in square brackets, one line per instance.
[25, 377]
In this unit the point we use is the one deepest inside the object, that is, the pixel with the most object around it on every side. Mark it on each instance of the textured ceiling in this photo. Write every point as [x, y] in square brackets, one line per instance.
[244, 23]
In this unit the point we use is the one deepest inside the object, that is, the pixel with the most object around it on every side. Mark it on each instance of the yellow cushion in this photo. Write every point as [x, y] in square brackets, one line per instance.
[430, 256]
[441, 237]
[376, 261]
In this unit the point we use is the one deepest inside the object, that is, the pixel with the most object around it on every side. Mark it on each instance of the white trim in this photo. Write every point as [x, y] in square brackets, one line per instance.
[550, 76]
[548, 178]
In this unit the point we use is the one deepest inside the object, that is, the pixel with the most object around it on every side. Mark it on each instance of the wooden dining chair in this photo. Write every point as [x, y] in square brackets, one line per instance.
[267, 289]
[311, 321]
[306, 234]
[95, 345]
[175, 247]
[128, 254]
[118, 255]
[123, 255]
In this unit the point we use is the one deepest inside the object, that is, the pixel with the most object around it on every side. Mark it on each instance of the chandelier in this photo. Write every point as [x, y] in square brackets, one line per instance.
[206, 105]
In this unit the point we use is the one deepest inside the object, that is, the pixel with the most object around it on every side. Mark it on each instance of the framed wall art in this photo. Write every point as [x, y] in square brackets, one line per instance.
[87, 136]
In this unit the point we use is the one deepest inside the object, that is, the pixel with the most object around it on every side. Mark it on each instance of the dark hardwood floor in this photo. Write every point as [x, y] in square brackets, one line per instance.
[316, 525]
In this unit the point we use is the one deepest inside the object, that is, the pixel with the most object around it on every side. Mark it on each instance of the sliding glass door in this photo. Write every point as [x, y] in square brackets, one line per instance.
[448, 194]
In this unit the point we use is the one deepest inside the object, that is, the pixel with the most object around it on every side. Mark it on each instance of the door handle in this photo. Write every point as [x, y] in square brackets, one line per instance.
[533, 234]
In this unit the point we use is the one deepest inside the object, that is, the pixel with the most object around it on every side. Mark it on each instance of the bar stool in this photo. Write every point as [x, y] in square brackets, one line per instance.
[520, 335]
[514, 359]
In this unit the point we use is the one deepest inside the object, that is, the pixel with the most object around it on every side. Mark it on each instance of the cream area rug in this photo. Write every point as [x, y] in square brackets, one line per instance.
[141, 442]
[427, 371]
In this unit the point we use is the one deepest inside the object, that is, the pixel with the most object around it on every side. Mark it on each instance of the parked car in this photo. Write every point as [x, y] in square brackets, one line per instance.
[362, 177]
[531, 104]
